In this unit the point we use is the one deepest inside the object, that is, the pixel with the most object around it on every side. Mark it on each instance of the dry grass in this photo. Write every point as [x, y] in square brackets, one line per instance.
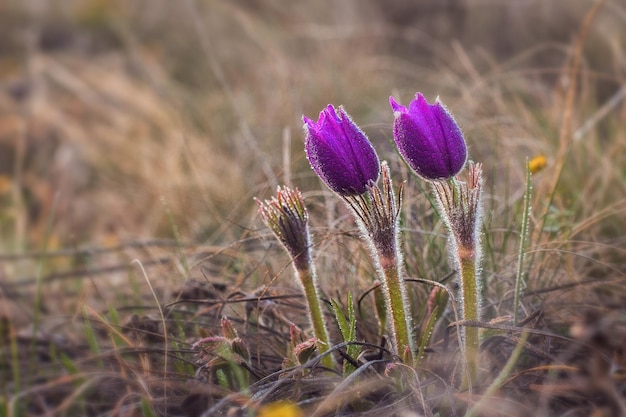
[134, 134]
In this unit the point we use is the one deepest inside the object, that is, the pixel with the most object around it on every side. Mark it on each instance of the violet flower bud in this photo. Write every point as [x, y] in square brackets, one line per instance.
[288, 218]
[340, 153]
[428, 138]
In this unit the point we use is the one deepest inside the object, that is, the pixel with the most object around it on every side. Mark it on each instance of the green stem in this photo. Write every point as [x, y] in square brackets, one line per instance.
[396, 305]
[520, 281]
[469, 288]
[316, 316]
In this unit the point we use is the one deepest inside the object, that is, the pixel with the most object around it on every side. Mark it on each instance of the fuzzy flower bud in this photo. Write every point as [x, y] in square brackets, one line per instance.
[288, 218]
[340, 153]
[428, 138]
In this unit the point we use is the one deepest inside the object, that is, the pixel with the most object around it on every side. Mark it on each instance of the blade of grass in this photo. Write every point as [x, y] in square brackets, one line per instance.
[146, 408]
[15, 360]
[500, 379]
[347, 326]
[180, 246]
[116, 336]
[92, 340]
[164, 324]
[38, 287]
[68, 364]
[426, 333]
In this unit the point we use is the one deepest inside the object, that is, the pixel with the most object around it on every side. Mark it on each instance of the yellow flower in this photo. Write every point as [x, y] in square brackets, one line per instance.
[538, 163]
[280, 409]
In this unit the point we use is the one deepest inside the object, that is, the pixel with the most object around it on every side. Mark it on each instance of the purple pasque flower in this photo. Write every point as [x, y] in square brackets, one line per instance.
[340, 153]
[428, 138]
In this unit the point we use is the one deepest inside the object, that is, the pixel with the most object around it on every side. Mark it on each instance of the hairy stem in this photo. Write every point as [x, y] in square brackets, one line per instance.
[311, 294]
[471, 308]
[396, 305]
[520, 277]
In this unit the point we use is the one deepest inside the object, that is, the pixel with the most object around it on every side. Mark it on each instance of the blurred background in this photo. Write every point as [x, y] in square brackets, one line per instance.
[134, 135]
[130, 119]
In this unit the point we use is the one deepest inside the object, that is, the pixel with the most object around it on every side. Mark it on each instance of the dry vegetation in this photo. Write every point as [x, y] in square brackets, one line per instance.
[134, 135]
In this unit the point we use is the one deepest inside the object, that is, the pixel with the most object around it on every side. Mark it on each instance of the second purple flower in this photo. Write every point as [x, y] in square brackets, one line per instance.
[428, 138]
[340, 153]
